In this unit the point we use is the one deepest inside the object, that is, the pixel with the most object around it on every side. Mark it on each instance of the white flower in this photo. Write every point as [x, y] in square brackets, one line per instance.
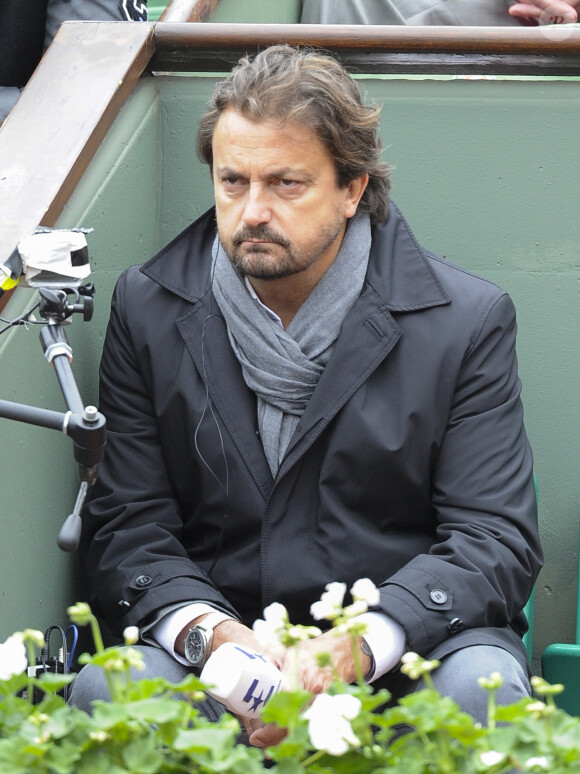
[415, 667]
[540, 762]
[364, 590]
[358, 607]
[303, 633]
[13, 659]
[271, 628]
[131, 635]
[329, 725]
[33, 636]
[99, 736]
[134, 658]
[491, 683]
[330, 604]
[491, 757]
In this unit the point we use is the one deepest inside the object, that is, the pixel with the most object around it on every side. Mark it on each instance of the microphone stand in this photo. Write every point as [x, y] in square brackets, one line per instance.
[84, 424]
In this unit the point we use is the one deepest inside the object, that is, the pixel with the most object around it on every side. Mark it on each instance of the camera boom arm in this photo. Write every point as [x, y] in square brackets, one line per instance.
[83, 424]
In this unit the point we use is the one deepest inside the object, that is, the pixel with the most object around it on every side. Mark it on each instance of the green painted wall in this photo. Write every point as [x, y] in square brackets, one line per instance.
[244, 11]
[265, 12]
[154, 10]
[486, 172]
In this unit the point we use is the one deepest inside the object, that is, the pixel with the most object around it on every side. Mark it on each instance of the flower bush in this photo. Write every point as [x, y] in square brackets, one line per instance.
[153, 727]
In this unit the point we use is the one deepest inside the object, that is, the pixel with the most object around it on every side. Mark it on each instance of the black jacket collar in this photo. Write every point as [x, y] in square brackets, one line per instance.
[400, 272]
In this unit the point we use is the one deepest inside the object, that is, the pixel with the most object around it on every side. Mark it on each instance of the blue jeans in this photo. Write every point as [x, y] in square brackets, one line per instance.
[457, 677]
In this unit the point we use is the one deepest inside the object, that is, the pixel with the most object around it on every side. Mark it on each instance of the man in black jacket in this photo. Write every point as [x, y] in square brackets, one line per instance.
[297, 393]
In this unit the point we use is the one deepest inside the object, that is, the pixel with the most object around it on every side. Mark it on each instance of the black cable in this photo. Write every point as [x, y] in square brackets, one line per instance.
[22, 319]
[47, 662]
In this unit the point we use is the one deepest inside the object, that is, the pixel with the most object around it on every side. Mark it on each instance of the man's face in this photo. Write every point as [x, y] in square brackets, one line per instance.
[279, 209]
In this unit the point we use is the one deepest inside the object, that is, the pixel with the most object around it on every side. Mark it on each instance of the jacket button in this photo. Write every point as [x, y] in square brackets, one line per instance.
[143, 580]
[455, 625]
[438, 596]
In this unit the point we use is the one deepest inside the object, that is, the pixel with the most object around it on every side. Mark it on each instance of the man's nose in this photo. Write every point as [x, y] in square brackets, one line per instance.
[257, 209]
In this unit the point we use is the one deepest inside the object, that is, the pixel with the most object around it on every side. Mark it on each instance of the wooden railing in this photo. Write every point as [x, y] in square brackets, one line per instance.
[373, 48]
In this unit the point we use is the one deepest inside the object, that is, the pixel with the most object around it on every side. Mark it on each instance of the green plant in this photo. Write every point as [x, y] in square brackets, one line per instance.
[153, 727]
[150, 726]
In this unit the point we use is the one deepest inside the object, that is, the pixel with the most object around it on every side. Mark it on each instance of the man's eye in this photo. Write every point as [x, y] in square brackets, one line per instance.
[286, 183]
[232, 182]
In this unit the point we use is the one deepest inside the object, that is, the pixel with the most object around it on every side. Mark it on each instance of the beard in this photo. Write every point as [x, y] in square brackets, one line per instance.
[280, 257]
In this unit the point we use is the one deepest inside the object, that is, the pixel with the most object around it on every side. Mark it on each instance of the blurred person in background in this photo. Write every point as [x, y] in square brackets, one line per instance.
[27, 28]
[486, 13]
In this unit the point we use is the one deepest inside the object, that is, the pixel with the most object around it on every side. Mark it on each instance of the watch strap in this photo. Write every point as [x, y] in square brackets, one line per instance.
[365, 647]
[212, 620]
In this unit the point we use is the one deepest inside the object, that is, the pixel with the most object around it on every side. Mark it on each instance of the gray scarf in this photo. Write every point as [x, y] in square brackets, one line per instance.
[283, 366]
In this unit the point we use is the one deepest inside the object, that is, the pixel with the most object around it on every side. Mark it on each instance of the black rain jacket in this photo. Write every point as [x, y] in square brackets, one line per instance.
[410, 464]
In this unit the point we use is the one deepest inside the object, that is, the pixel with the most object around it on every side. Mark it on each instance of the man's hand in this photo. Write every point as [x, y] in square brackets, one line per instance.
[547, 11]
[260, 735]
[317, 679]
[233, 631]
[311, 676]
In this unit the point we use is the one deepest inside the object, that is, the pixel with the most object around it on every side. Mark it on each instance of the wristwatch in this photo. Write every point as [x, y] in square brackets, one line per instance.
[198, 640]
[365, 647]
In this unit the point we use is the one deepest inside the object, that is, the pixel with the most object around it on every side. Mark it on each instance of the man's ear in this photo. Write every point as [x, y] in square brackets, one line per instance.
[355, 189]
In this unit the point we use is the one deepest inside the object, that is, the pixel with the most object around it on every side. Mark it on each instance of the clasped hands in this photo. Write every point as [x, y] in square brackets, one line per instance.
[298, 665]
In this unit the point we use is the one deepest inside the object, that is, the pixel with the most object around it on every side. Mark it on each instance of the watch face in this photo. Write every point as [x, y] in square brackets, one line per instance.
[195, 647]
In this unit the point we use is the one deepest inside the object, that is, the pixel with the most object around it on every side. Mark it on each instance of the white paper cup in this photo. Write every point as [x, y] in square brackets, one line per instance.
[241, 679]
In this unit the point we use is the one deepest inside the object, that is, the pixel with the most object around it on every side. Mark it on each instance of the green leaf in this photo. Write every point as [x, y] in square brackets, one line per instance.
[107, 713]
[211, 739]
[141, 757]
[12, 758]
[53, 683]
[352, 762]
[155, 710]
[94, 762]
[290, 766]
[286, 707]
[13, 685]
[157, 686]
[296, 745]
[214, 750]
[62, 759]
